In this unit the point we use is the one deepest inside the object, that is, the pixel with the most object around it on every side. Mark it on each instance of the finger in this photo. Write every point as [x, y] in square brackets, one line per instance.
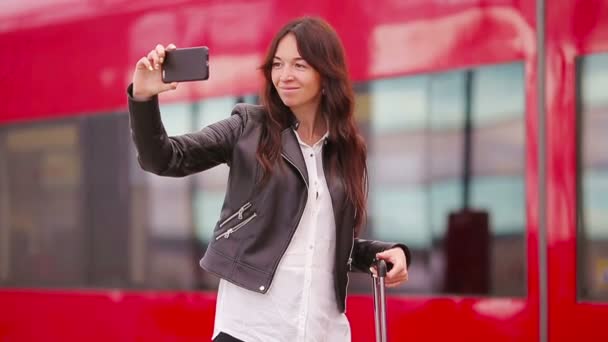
[401, 277]
[384, 254]
[154, 59]
[396, 281]
[392, 263]
[395, 256]
[397, 269]
[373, 271]
[144, 62]
[171, 47]
[170, 86]
[387, 256]
[160, 51]
[392, 285]
[391, 278]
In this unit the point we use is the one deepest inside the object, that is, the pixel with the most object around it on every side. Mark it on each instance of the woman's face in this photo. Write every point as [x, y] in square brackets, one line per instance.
[298, 83]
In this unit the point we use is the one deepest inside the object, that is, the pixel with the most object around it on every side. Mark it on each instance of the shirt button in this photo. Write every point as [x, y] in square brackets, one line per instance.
[311, 154]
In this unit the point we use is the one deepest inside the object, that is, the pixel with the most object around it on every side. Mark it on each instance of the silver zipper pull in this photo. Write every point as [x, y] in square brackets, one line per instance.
[242, 210]
[234, 229]
[227, 233]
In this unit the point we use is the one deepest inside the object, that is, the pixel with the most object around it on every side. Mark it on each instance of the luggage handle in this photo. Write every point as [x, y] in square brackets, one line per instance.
[382, 267]
[380, 300]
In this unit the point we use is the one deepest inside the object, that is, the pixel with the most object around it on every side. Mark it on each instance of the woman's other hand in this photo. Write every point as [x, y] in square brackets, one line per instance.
[398, 274]
[147, 79]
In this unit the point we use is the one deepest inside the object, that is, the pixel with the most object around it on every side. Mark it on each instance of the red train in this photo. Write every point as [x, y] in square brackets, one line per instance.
[465, 166]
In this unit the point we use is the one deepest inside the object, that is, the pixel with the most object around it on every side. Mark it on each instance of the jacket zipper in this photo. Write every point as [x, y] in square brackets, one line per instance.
[238, 213]
[349, 264]
[299, 216]
[236, 228]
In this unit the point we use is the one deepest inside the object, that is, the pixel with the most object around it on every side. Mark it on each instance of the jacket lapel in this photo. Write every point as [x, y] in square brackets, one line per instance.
[292, 153]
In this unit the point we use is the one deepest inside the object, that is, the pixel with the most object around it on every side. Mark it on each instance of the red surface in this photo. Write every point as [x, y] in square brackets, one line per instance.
[82, 64]
[105, 316]
[568, 36]
[152, 316]
[68, 62]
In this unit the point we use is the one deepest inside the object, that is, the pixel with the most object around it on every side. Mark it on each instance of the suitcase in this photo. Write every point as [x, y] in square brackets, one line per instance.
[380, 301]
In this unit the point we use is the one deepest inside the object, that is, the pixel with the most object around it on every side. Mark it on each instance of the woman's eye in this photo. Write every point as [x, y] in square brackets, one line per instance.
[300, 66]
[276, 64]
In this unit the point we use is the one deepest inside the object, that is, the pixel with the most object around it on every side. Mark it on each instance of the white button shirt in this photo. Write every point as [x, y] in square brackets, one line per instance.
[300, 305]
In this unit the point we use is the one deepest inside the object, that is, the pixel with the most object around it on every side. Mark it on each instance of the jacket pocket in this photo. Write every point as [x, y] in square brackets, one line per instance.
[239, 215]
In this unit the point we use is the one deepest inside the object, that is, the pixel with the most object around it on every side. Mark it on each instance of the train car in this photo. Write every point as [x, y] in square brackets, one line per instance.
[486, 124]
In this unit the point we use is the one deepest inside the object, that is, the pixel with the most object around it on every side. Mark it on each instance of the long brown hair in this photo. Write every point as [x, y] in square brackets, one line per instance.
[320, 46]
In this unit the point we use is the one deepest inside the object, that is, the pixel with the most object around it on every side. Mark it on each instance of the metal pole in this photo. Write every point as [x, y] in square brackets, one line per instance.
[542, 172]
[380, 301]
[467, 148]
[377, 311]
[4, 215]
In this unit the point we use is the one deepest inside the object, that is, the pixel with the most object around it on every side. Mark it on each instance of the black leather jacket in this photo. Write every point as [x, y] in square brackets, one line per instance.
[256, 223]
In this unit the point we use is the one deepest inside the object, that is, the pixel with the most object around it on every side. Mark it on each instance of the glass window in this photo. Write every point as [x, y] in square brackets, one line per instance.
[592, 254]
[166, 237]
[446, 164]
[76, 210]
[210, 186]
[42, 205]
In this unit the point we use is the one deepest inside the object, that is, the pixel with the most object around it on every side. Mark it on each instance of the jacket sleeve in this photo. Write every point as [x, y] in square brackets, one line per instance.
[179, 156]
[364, 253]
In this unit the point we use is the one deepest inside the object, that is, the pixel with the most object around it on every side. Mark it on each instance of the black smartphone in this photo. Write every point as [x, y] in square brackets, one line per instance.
[186, 64]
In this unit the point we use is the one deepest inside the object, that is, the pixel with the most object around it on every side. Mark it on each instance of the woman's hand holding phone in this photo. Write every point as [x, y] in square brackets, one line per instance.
[147, 78]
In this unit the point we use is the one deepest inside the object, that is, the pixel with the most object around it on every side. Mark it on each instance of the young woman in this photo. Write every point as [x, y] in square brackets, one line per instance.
[295, 202]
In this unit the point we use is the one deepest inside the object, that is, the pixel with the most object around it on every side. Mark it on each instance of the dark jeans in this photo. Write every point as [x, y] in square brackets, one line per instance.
[223, 337]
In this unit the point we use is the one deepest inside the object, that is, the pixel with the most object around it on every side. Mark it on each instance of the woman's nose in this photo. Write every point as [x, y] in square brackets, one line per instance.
[286, 74]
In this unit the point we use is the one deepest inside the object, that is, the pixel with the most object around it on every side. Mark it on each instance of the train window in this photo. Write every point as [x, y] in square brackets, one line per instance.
[76, 210]
[210, 186]
[163, 251]
[446, 163]
[182, 212]
[592, 251]
[41, 205]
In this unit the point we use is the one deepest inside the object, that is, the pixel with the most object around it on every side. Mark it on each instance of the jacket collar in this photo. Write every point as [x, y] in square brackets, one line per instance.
[291, 147]
[292, 152]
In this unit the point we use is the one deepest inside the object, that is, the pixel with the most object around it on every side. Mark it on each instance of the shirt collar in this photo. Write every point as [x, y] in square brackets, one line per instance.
[323, 139]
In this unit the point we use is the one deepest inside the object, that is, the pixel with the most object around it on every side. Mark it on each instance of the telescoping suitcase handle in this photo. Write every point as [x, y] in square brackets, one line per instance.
[380, 301]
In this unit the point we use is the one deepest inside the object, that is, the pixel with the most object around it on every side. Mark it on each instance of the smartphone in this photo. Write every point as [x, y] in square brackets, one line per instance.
[186, 64]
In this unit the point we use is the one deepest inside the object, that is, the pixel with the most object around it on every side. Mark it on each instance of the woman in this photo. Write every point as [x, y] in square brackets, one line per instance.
[296, 194]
